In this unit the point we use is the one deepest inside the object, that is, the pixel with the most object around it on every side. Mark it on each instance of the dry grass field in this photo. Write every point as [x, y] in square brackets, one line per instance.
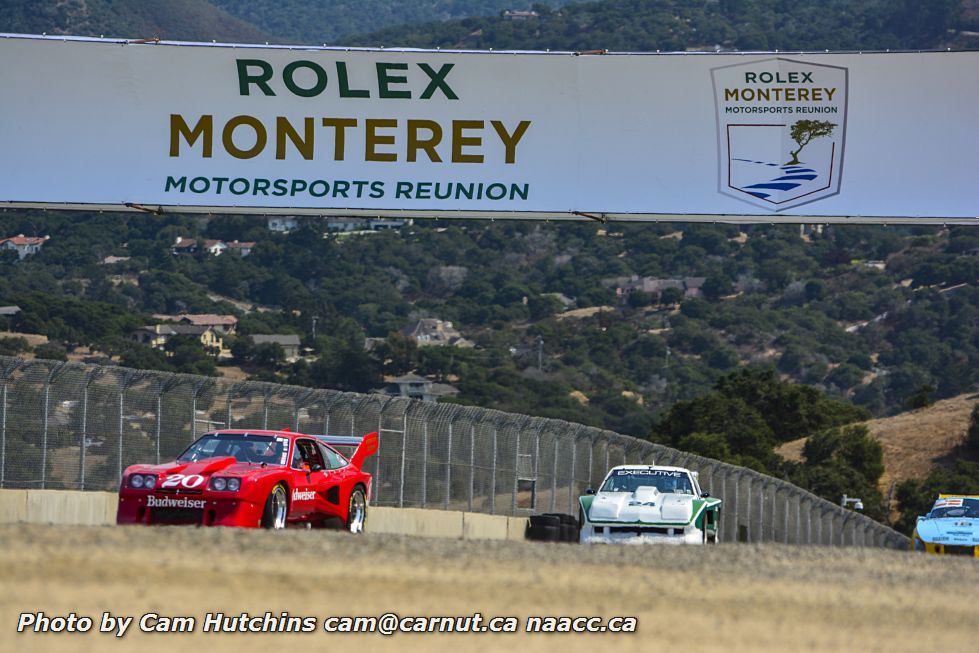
[914, 441]
[726, 598]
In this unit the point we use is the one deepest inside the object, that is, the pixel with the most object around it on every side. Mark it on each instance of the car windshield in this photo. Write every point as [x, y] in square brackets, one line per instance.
[666, 481]
[243, 447]
[955, 507]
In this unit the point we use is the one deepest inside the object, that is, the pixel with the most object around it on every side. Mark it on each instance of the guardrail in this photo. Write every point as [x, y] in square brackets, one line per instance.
[75, 426]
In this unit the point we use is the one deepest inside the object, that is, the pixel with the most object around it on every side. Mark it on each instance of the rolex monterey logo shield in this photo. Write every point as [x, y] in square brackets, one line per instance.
[781, 130]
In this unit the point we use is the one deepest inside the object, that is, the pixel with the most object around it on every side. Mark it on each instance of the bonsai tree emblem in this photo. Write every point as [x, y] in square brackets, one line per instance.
[804, 131]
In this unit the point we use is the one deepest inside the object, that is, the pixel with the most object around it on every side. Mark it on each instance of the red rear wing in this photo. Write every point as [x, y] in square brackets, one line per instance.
[365, 446]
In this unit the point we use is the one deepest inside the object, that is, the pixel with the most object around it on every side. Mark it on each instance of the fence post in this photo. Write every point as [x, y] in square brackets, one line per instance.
[198, 388]
[404, 449]
[472, 464]
[554, 476]
[448, 466]
[8, 370]
[424, 463]
[591, 456]
[493, 469]
[127, 378]
[516, 473]
[574, 467]
[83, 435]
[232, 391]
[122, 393]
[44, 429]
[298, 402]
[53, 373]
[89, 379]
[266, 397]
[737, 504]
[159, 429]
[798, 499]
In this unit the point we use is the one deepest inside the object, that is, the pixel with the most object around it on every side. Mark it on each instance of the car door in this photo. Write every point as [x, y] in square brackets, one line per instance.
[336, 482]
[307, 479]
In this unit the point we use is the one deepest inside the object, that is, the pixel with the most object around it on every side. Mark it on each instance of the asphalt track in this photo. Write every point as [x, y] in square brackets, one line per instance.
[725, 598]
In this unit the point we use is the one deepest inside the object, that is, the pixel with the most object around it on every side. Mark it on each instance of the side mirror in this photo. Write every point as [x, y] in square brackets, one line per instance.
[704, 495]
[316, 468]
[589, 491]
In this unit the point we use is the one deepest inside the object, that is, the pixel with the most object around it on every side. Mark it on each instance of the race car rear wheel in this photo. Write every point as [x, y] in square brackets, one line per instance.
[276, 508]
[356, 511]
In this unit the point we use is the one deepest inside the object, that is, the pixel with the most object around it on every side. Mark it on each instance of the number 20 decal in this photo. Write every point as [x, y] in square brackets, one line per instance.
[189, 481]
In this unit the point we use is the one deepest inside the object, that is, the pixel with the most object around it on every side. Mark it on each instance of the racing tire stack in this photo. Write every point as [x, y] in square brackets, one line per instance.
[552, 527]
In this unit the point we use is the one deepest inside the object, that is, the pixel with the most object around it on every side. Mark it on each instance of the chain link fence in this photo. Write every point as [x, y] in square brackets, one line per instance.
[74, 426]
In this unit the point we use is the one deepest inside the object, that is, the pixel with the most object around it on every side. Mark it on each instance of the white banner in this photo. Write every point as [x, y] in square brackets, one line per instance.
[728, 137]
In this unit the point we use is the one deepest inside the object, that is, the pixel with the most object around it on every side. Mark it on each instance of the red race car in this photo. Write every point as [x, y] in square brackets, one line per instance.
[249, 478]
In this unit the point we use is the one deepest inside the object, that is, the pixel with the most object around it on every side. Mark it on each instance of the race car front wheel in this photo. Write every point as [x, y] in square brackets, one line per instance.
[356, 511]
[276, 508]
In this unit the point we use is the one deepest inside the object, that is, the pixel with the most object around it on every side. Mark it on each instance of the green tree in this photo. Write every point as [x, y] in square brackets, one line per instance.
[842, 461]
[804, 132]
[51, 351]
[972, 435]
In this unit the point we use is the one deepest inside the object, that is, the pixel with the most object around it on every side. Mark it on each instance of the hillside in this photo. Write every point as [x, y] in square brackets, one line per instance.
[914, 442]
[329, 21]
[187, 20]
[676, 25]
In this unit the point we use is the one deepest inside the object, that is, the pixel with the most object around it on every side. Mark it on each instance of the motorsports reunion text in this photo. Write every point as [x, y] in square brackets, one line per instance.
[337, 138]
[389, 623]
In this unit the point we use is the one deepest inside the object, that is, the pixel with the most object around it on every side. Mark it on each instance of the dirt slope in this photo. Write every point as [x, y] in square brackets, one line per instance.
[727, 598]
[915, 441]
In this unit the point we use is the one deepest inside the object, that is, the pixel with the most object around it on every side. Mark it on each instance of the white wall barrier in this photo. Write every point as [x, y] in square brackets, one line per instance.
[71, 507]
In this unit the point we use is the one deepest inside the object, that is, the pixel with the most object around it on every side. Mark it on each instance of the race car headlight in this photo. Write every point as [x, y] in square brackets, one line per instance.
[222, 484]
[140, 481]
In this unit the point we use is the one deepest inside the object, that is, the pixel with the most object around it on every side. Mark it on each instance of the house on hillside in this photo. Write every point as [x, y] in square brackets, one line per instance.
[436, 333]
[338, 225]
[158, 335]
[211, 247]
[413, 386]
[689, 286]
[184, 246]
[222, 324]
[215, 247]
[510, 14]
[7, 315]
[24, 245]
[290, 344]
[242, 248]
[282, 224]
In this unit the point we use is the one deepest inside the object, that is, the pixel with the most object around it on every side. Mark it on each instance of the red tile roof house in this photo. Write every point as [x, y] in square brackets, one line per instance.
[184, 245]
[24, 245]
[220, 323]
[243, 248]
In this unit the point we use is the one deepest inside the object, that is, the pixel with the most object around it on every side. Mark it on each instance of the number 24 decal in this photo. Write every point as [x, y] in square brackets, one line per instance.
[189, 481]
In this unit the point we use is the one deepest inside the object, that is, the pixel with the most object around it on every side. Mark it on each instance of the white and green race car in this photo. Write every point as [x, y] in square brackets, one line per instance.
[646, 503]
